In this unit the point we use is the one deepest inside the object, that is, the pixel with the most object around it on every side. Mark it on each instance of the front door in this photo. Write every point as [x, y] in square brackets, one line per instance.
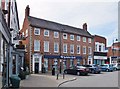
[36, 67]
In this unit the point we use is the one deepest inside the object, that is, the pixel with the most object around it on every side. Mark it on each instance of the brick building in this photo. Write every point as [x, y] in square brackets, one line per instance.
[49, 43]
[100, 54]
[114, 53]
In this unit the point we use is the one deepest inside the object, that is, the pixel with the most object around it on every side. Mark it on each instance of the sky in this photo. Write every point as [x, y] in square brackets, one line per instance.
[101, 16]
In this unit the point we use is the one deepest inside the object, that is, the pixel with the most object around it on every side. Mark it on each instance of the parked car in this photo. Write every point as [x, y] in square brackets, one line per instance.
[116, 66]
[77, 70]
[107, 67]
[93, 68]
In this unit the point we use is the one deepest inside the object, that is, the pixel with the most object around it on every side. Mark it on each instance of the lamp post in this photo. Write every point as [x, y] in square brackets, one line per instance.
[113, 48]
[61, 50]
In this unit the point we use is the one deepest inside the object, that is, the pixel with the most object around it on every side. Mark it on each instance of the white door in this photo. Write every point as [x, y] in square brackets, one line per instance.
[37, 59]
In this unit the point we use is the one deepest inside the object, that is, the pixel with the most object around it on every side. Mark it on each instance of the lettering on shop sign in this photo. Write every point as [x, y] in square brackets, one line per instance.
[67, 57]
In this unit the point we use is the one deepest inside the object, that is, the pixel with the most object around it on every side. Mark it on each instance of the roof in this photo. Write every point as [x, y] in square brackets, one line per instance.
[99, 36]
[37, 22]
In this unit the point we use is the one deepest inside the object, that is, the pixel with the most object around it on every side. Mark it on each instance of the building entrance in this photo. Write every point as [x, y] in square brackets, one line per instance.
[36, 68]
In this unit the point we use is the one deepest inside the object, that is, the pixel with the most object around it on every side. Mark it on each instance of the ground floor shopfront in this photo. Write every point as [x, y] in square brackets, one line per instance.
[100, 58]
[115, 59]
[58, 62]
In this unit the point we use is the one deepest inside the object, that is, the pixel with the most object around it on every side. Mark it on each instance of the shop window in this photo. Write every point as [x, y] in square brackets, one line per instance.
[14, 65]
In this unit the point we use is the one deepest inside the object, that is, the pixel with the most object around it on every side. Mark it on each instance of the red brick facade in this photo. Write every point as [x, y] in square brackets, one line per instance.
[100, 55]
[114, 53]
[51, 39]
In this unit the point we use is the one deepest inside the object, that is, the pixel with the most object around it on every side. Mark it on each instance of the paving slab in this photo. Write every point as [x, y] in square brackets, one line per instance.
[45, 80]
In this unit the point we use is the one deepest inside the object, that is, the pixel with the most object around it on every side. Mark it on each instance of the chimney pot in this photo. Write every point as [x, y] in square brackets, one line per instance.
[85, 26]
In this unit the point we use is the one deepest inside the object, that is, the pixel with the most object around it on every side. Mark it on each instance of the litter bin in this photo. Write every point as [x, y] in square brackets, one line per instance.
[15, 81]
[53, 70]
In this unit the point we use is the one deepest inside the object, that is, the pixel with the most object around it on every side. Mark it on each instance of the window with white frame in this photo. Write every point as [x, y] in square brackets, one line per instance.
[36, 31]
[78, 49]
[56, 47]
[89, 40]
[46, 32]
[64, 35]
[26, 32]
[84, 49]
[36, 45]
[71, 37]
[72, 49]
[95, 47]
[103, 48]
[84, 39]
[78, 38]
[56, 34]
[100, 48]
[89, 50]
[64, 48]
[46, 46]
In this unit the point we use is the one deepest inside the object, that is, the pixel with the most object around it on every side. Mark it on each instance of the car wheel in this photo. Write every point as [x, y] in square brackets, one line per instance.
[99, 72]
[107, 70]
[78, 73]
[65, 72]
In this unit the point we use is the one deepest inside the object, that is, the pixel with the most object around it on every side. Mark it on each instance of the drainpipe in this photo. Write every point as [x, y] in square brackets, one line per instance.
[30, 41]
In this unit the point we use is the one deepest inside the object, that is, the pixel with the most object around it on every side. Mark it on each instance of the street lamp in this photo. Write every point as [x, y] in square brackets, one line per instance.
[113, 48]
[61, 50]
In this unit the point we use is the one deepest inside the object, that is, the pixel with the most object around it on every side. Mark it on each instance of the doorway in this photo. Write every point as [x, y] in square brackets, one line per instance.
[36, 68]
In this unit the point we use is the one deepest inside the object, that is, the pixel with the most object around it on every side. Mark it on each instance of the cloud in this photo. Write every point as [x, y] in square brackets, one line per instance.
[96, 13]
[71, 12]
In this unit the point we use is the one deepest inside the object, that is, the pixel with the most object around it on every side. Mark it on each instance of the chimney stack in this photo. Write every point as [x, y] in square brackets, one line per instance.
[27, 11]
[85, 26]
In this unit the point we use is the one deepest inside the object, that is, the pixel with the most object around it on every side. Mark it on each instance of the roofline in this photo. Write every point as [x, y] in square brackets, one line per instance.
[56, 22]
[98, 36]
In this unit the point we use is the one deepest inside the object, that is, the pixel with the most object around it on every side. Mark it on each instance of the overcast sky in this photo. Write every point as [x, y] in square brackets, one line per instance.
[101, 16]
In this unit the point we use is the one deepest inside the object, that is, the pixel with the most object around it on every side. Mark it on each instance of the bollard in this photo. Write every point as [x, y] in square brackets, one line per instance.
[57, 76]
[63, 76]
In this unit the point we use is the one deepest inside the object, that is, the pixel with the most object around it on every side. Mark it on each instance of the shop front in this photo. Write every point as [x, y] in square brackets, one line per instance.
[100, 58]
[60, 62]
[115, 59]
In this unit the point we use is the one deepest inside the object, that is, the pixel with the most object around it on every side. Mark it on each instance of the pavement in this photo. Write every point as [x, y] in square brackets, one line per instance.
[46, 80]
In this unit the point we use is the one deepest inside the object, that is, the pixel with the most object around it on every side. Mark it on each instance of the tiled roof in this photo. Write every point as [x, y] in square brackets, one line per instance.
[37, 22]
